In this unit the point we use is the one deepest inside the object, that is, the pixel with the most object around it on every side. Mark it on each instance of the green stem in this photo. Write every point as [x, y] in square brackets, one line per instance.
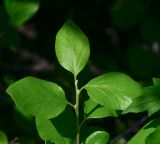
[77, 110]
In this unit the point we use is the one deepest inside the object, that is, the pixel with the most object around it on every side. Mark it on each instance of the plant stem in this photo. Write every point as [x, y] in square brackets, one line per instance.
[77, 110]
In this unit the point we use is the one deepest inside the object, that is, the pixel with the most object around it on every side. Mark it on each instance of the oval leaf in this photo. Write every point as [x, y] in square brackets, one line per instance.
[21, 10]
[3, 138]
[72, 48]
[38, 97]
[98, 137]
[114, 90]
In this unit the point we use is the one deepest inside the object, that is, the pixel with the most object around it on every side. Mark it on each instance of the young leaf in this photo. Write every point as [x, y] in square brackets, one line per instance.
[21, 10]
[72, 48]
[141, 136]
[38, 97]
[98, 137]
[87, 131]
[3, 138]
[60, 130]
[154, 137]
[113, 90]
[150, 101]
[95, 110]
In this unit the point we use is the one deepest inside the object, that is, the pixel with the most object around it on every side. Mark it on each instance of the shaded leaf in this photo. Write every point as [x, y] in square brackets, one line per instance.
[60, 130]
[95, 110]
[114, 90]
[38, 97]
[98, 137]
[72, 48]
[21, 10]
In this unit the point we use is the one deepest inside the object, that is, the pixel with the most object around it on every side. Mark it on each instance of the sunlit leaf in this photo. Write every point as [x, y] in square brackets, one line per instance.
[113, 90]
[38, 97]
[72, 48]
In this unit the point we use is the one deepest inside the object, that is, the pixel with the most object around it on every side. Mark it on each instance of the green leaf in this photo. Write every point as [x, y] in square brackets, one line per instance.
[72, 48]
[21, 10]
[154, 138]
[38, 97]
[150, 101]
[87, 131]
[141, 136]
[3, 138]
[60, 130]
[98, 137]
[113, 90]
[95, 110]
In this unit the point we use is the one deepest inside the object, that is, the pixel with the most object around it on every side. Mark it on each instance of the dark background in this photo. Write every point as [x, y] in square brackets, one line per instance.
[124, 36]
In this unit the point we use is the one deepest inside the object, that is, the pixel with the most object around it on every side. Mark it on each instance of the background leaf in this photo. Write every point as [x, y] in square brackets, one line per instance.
[72, 48]
[38, 97]
[3, 138]
[98, 137]
[113, 90]
[21, 10]
[60, 130]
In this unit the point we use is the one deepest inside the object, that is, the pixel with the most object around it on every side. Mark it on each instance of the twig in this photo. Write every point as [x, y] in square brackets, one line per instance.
[129, 130]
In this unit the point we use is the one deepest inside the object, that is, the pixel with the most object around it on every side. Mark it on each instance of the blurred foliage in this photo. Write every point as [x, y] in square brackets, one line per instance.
[124, 36]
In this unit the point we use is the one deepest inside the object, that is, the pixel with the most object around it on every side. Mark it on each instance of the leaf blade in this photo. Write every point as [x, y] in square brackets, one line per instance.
[114, 90]
[60, 130]
[72, 48]
[38, 97]
[95, 110]
[98, 137]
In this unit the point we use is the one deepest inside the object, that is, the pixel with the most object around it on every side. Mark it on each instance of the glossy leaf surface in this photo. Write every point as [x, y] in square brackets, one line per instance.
[72, 48]
[114, 90]
[38, 97]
